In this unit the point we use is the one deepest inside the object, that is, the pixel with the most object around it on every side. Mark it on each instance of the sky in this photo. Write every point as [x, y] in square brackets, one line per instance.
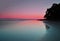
[25, 9]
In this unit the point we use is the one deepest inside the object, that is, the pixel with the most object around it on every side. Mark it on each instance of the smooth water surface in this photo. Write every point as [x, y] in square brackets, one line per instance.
[29, 30]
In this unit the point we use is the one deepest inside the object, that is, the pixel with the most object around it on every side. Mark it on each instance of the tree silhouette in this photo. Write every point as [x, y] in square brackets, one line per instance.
[53, 13]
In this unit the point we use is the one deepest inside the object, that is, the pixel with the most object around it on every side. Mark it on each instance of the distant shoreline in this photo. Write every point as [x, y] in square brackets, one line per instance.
[20, 19]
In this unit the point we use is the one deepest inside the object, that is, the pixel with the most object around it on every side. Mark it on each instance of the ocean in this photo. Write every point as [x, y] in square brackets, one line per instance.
[29, 30]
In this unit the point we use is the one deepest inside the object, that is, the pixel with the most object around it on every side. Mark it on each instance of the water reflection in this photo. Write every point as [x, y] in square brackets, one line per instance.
[23, 30]
[47, 27]
[30, 31]
[53, 32]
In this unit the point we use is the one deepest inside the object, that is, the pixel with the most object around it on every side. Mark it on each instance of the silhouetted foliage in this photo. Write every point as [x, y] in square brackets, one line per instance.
[53, 13]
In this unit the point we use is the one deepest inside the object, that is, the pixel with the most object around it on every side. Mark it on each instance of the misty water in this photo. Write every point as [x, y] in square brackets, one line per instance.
[29, 30]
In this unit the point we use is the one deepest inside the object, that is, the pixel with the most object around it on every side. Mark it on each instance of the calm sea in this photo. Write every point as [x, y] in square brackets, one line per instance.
[29, 30]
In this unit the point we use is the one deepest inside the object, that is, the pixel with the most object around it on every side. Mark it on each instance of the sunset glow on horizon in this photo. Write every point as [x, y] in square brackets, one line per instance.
[23, 16]
[25, 9]
[32, 16]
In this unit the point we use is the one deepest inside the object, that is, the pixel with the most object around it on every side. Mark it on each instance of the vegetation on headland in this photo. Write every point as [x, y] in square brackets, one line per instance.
[53, 13]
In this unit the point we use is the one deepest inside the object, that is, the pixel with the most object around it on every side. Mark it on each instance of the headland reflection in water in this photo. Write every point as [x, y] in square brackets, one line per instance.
[29, 30]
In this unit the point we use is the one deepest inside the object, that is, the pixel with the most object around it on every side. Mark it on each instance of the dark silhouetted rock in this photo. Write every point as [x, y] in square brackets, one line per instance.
[53, 13]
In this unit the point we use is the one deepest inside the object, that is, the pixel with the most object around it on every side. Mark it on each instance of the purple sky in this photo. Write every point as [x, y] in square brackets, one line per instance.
[24, 8]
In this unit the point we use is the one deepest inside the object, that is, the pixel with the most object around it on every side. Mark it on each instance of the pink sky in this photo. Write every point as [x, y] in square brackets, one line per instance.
[26, 9]
[23, 16]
